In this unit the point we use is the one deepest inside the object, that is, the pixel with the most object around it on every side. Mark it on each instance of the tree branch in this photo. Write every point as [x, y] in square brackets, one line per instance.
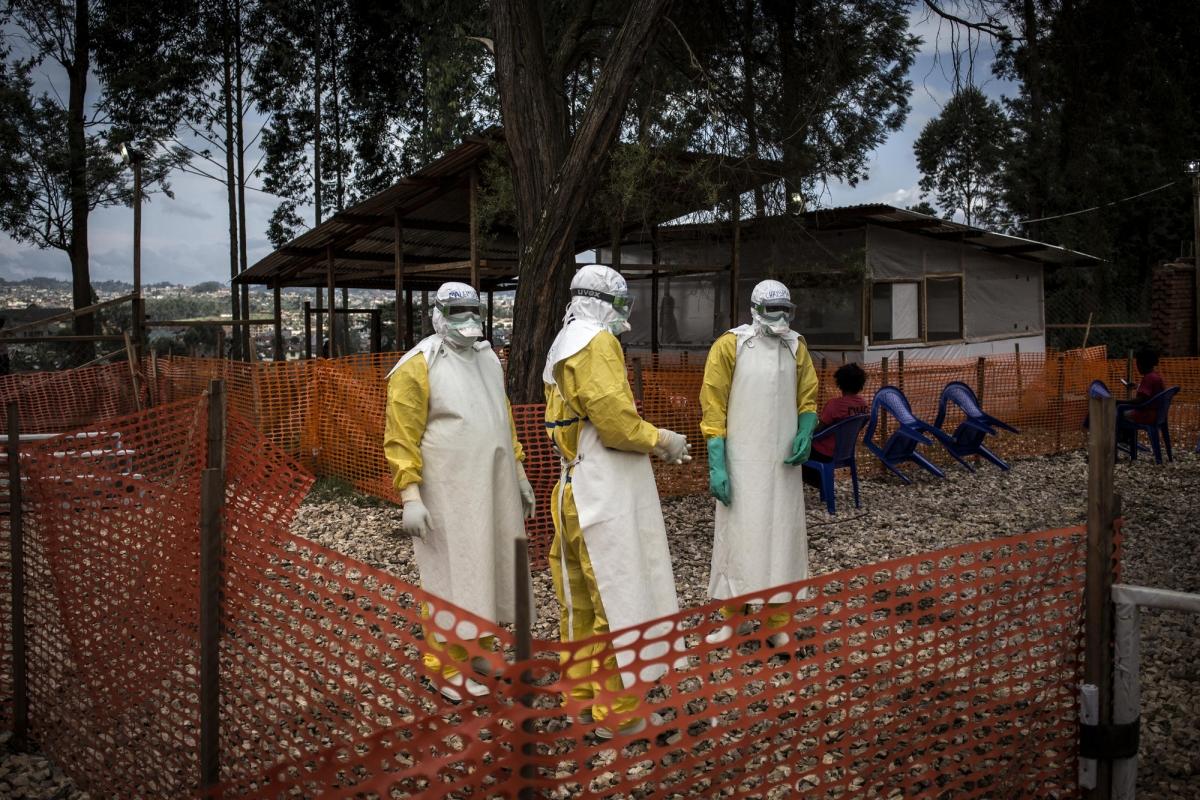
[991, 26]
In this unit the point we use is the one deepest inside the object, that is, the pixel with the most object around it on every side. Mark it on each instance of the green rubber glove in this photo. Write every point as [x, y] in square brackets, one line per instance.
[806, 423]
[718, 474]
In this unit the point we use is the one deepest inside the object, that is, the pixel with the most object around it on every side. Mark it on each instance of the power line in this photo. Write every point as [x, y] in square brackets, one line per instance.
[1096, 208]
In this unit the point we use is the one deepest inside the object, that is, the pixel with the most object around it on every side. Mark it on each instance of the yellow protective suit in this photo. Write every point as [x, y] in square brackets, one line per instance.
[407, 413]
[714, 401]
[592, 385]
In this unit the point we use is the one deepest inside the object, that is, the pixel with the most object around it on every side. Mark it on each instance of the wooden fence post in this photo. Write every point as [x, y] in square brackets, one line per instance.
[900, 370]
[212, 500]
[1020, 379]
[1129, 387]
[1098, 614]
[980, 377]
[883, 417]
[638, 385]
[16, 536]
[523, 628]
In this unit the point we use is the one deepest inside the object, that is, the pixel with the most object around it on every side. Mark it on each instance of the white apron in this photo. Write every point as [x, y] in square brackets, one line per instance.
[760, 539]
[619, 512]
[622, 523]
[469, 482]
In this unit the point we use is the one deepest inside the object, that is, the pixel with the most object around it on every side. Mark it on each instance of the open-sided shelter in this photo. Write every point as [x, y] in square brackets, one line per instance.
[426, 229]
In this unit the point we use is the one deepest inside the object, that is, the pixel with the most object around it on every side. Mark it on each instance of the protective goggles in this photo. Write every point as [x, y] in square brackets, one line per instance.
[622, 303]
[774, 307]
[458, 308]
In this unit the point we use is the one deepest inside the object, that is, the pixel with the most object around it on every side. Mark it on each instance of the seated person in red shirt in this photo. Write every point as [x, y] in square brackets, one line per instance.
[1152, 384]
[850, 379]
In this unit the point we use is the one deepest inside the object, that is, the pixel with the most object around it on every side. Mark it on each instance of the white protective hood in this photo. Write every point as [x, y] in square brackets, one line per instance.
[586, 316]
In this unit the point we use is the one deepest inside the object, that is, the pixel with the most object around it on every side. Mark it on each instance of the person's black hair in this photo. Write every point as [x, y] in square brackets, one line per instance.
[850, 378]
[1147, 359]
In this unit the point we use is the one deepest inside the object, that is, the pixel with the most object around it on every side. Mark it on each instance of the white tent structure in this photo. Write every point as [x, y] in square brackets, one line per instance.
[868, 281]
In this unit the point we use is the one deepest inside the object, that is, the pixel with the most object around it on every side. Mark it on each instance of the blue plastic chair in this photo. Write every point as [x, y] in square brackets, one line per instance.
[845, 438]
[901, 446]
[1161, 404]
[1099, 388]
[967, 439]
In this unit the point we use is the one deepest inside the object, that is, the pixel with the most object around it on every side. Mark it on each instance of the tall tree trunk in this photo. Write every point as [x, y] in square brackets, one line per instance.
[81, 288]
[239, 123]
[1032, 76]
[227, 91]
[750, 98]
[784, 12]
[554, 172]
[319, 17]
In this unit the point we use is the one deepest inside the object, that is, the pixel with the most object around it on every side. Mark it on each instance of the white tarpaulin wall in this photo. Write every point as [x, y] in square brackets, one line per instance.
[1002, 294]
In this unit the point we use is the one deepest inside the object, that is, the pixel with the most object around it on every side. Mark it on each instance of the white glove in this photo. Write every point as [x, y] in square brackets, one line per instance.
[528, 501]
[672, 447]
[415, 521]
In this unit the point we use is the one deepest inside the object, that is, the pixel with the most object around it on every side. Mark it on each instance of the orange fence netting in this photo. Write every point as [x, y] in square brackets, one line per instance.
[947, 674]
[328, 413]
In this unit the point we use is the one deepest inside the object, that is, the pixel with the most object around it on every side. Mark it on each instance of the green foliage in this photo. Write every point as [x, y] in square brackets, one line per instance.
[1106, 109]
[960, 154]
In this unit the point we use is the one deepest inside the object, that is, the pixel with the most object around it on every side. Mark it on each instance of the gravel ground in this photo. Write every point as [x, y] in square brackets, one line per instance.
[1161, 506]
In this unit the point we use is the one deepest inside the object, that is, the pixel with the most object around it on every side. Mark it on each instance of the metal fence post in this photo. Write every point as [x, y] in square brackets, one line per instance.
[16, 538]
[212, 500]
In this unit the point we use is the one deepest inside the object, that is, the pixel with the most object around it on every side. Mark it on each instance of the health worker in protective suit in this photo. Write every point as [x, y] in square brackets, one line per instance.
[609, 560]
[455, 459]
[759, 403]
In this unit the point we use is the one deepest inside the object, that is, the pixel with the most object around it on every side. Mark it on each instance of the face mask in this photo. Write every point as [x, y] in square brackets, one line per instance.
[619, 326]
[773, 320]
[464, 328]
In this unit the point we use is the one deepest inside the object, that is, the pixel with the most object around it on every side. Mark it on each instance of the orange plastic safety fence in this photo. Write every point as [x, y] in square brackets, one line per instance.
[111, 543]
[948, 674]
[51, 402]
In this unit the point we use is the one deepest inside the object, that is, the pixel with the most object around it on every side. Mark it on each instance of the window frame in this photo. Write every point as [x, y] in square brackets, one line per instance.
[920, 284]
[962, 304]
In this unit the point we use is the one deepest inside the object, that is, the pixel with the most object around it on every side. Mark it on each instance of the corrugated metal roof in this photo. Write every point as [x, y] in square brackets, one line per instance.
[848, 217]
[925, 225]
[434, 207]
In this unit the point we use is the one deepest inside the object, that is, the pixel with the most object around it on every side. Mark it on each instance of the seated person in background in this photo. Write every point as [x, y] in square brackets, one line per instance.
[1152, 384]
[850, 379]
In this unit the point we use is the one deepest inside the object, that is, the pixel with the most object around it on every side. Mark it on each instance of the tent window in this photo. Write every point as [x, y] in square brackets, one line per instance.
[943, 309]
[829, 315]
[895, 312]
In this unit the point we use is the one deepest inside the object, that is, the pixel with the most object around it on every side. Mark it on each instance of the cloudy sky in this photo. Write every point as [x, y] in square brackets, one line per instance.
[185, 239]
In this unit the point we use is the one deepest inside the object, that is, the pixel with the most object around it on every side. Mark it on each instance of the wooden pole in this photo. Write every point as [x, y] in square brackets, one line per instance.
[279, 351]
[308, 344]
[332, 302]
[900, 370]
[1059, 421]
[131, 355]
[16, 542]
[654, 298]
[1020, 379]
[376, 331]
[212, 500]
[400, 342]
[1086, 332]
[1129, 387]
[523, 628]
[1098, 614]
[980, 377]
[735, 257]
[139, 306]
[221, 343]
[408, 319]
[473, 203]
